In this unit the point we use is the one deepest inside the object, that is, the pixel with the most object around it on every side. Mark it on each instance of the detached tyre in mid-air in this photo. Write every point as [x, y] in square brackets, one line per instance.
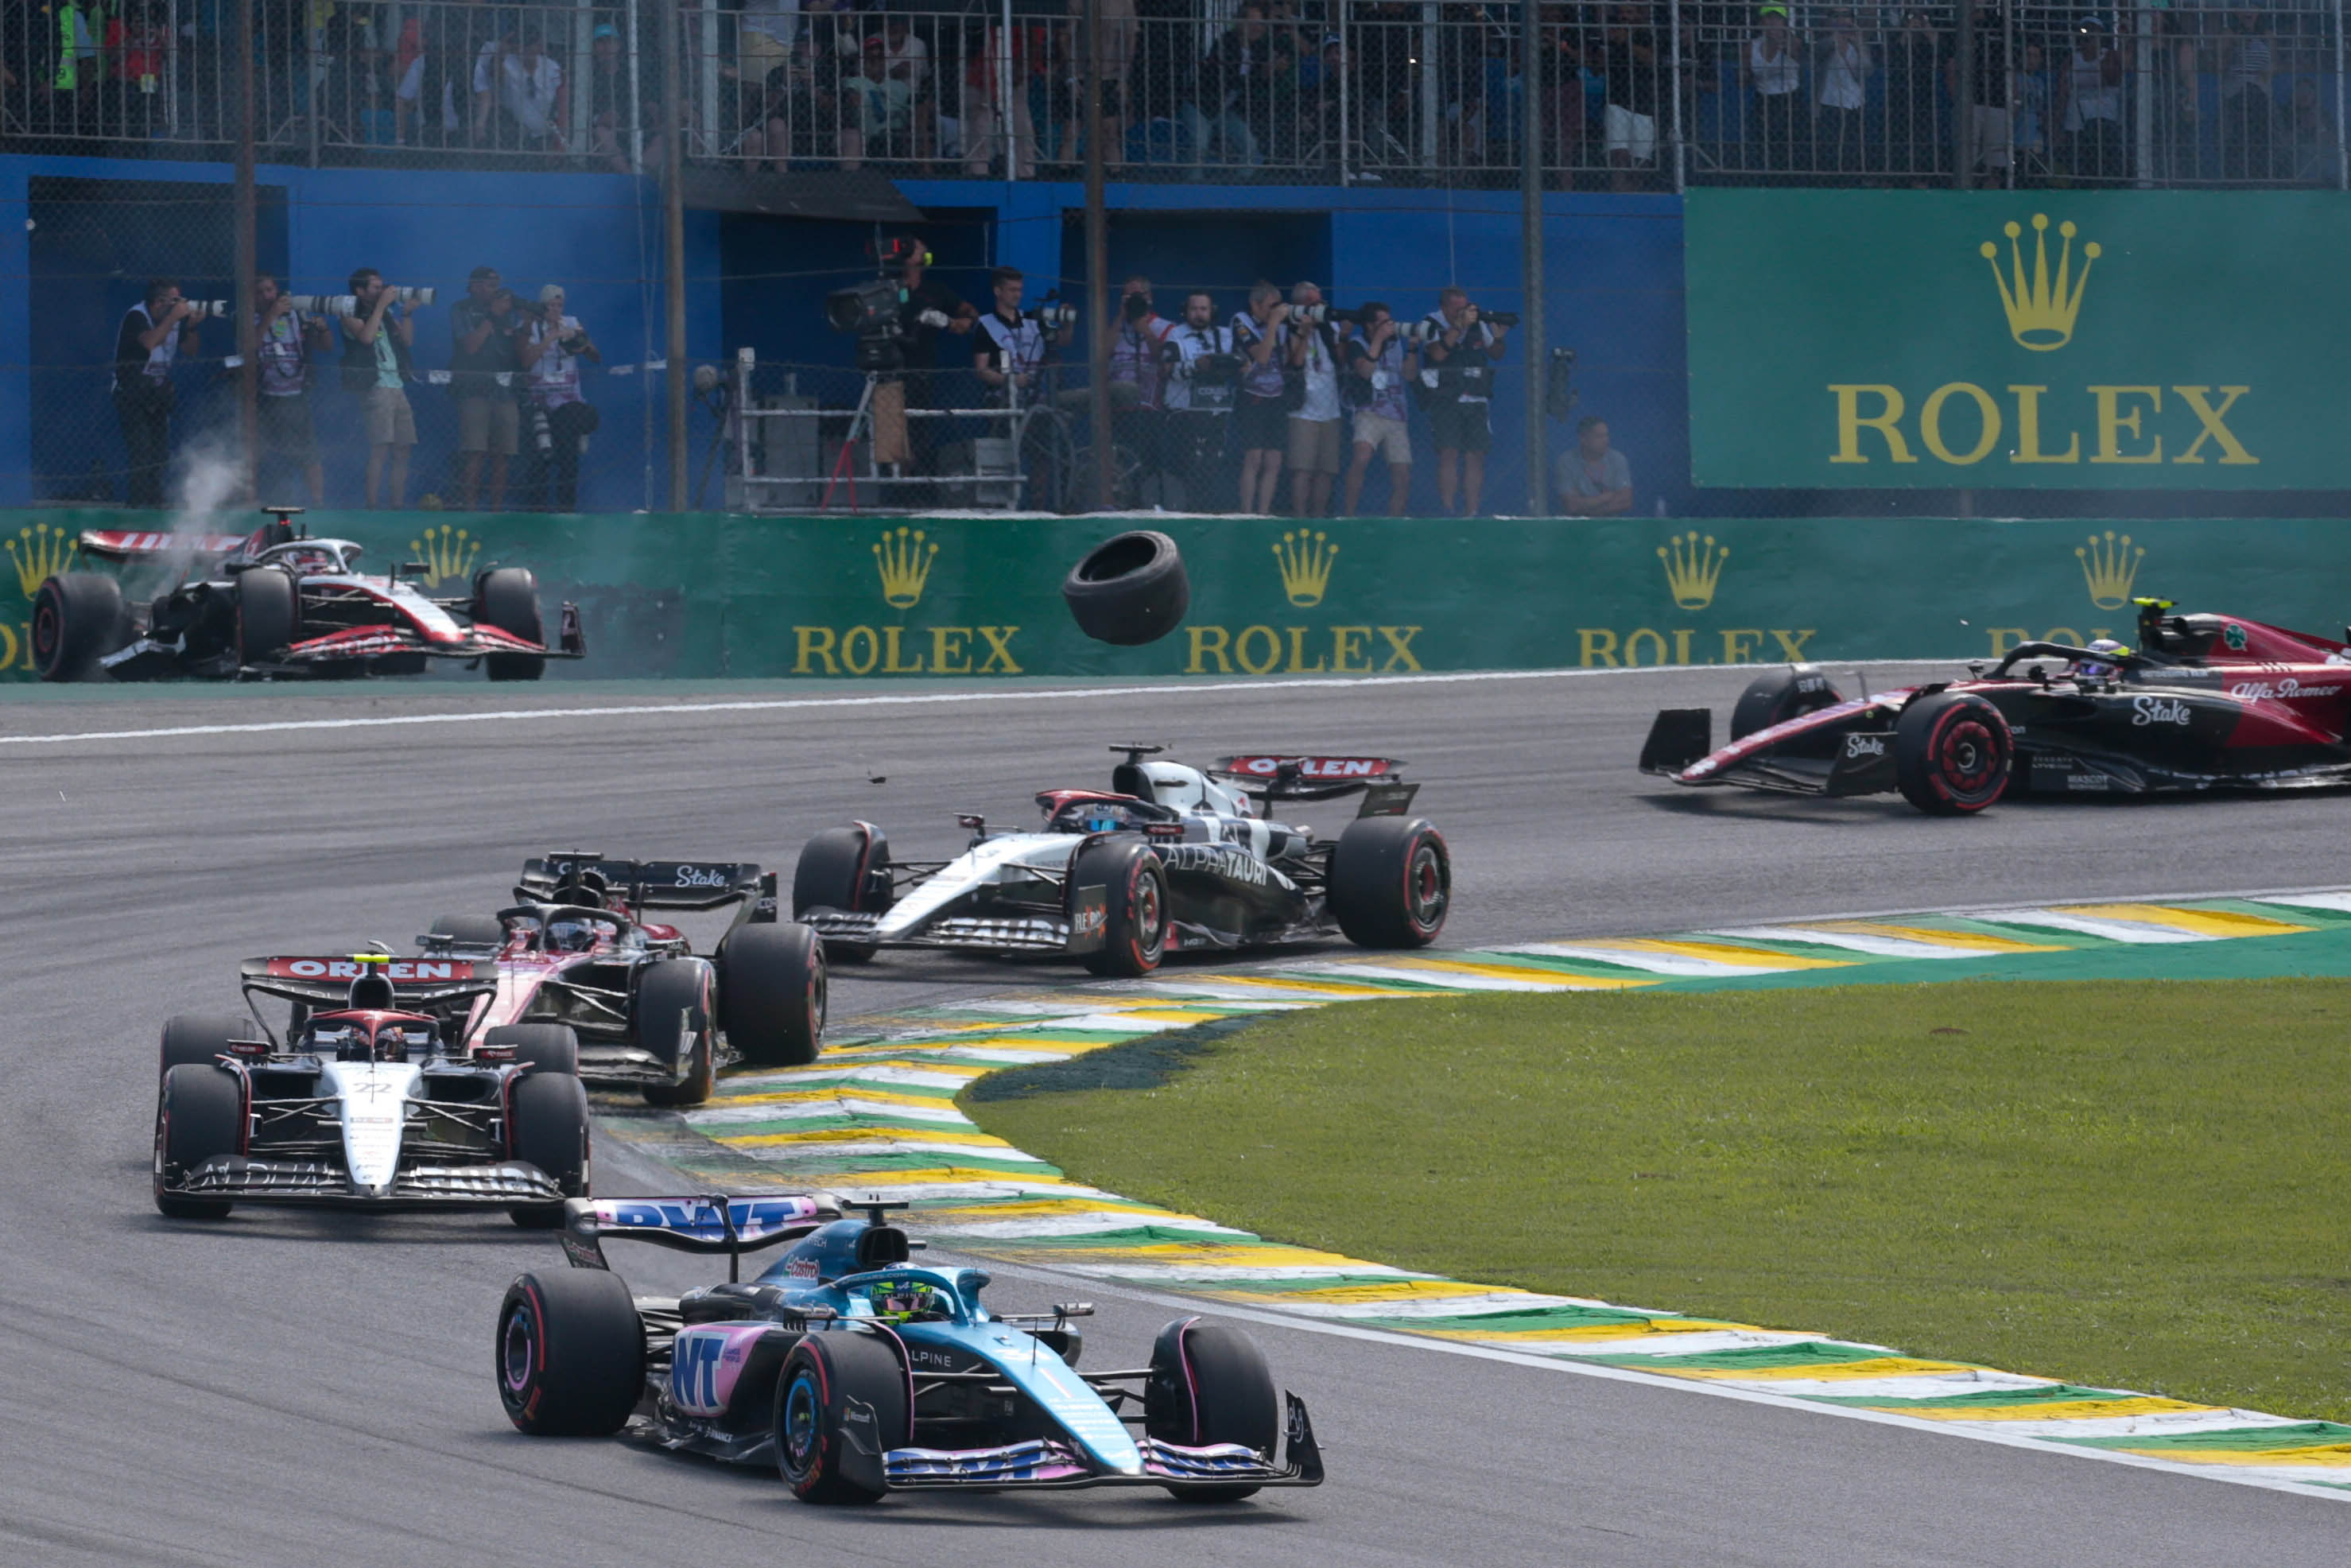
[1129, 589]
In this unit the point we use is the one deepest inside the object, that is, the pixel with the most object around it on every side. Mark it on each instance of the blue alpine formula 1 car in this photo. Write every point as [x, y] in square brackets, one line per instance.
[857, 1373]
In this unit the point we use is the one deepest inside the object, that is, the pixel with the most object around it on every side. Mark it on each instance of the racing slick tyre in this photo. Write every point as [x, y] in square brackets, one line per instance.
[539, 1047]
[1209, 1385]
[1778, 695]
[1391, 882]
[831, 1381]
[1130, 589]
[1134, 924]
[1951, 754]
[200, 1114]
[771, 994]
[570, 1353]
[548, 1127]
[77, 620]
[472, 929]
[200, 1040]
[672, 1020]
[269, 612]
[843, 868]
[507, 599]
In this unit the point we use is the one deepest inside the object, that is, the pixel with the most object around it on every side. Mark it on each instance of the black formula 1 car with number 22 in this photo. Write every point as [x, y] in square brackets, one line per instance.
[1168, 858]
[2206, 702]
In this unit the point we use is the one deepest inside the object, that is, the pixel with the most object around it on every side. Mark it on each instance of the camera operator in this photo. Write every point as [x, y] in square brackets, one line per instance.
[1138, 408]
[376, 363]
[1458, 360]
[154, 333]
[1202, 380]
[553, 344]
[927, 309]
[1380, 368]
[485, 329]
[1314, 422]
[1261, 414]
[283, 413]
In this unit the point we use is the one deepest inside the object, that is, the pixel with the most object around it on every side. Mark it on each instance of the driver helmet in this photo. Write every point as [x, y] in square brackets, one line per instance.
[2100, 669]
[906, 1301]
[570, 937]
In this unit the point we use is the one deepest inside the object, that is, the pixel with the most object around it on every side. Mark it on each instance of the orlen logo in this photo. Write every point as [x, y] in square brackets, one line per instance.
[399, 971]
[1315, 766]
[2158, 710]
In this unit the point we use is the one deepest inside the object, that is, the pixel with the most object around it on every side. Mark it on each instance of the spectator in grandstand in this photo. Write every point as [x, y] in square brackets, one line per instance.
[532, 98]
[1773, 75]
[377, 336]
[154, 333]
[608, 98]
[2317, 152]
[2032, 99]
[2248, 109]
[988, 132]
[1381, 369]
[1386, 39]
[1988, 123]
[879, 100]
[1459, 351]
[1844, 77]
[1260, 429]
[1236, 85]
[1592, 478]
[66, 72]
[1314, 454]
[1629, 51]
[425, 106]
[2090, 92]
[552, 346]
[1917, 62]
[483, 359]
[138, 59]
[282, 417]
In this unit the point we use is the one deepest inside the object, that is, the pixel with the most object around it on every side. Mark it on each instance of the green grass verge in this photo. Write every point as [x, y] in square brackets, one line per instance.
[2134, 1185]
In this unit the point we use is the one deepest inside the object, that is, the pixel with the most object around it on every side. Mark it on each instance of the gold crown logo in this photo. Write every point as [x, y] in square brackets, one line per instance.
[1693, 568]
[448, 553]
[2041, 310]
[40, 553]
[1305, 559]
[2109, 566]
[905, 565]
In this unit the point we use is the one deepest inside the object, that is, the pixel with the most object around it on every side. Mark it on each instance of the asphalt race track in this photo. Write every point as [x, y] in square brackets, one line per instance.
[296, 1389]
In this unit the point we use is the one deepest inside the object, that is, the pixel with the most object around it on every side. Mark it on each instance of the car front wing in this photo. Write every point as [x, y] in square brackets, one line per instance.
[1050, 1462]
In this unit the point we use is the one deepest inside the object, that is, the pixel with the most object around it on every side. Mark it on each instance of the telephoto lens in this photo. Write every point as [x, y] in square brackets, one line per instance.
[1499, 317]
[1053, 318]
[1311, 315]
[413, 295]
[540, 436]
[326, 304]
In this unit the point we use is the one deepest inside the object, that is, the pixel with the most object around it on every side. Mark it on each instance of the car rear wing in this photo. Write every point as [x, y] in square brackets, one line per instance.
[1377, 779]
[141, 544]
[429, 984]
[656, 884]
[733, 1224]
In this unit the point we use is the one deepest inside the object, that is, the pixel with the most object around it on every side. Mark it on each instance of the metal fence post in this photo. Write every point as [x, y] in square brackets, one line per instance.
[674, 258]
[1006, 121]
[2143, 135]
[636, 96]
[1429, 105]
[1673, 64]
[1531, 245]
[1963, 111]
[582, 79]
[1346, 123]
[713, 138]
[246, 334]
[2342, 149]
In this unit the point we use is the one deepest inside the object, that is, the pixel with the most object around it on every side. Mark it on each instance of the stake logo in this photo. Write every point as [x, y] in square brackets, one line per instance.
[903, 559]
[1305, 559]
[2040, 310]
[2109, 567]
[448, 554]
[1692, 569]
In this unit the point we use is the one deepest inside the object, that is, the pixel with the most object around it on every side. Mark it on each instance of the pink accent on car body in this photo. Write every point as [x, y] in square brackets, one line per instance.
[702, 1381]
[1762, 740]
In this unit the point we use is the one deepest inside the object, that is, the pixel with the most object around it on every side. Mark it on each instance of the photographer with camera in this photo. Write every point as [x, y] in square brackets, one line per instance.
[553, 344]
[1262, 413]
[154, 333]
[377, 337]
[1138, 411]
[484, 329]
[1379, 368]
[283, 412]
[1012, 347]
[1203, 377]
[1315, 421]
[1460, 348]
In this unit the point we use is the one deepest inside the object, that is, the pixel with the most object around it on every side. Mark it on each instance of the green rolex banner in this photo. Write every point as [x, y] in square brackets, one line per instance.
[2018, 340]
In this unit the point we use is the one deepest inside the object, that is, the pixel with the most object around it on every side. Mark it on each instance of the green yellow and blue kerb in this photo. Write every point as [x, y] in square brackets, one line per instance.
[878, 1114]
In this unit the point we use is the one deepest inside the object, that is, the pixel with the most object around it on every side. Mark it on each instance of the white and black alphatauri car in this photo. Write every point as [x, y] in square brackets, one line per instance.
[1169, 858]
[373, 1098]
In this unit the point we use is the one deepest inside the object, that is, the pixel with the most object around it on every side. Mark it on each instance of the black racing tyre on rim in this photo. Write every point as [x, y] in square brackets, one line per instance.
[507, 599]
[200, 1115]
[830, 1380]
[269, 612]
[1778, 695]
[539, 1047]
[1952, 753]
[570, 1353]
[200, 1040]
[1129, 589]
[672, 1016]
[470, 928]
[77, 619]
[771, 993]
[843, 868]
[1135, 882]
[1210, 1383]
[548, 1127]
[1391, 882]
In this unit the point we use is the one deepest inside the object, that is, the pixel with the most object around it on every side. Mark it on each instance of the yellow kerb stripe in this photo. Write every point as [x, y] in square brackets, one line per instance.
[978, 1143]
[1395, 1291]
[2203, 922]
[1717, 953]
[1971, 941]
[1875, 1367]
[1590, 1332]
[1331, 987]
[2054, 1410]
[2326, 1457]
[1558, 978]
[847, 1091]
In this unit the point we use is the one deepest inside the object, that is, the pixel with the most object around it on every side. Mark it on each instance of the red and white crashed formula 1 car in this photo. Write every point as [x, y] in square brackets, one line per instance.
[276, 603]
